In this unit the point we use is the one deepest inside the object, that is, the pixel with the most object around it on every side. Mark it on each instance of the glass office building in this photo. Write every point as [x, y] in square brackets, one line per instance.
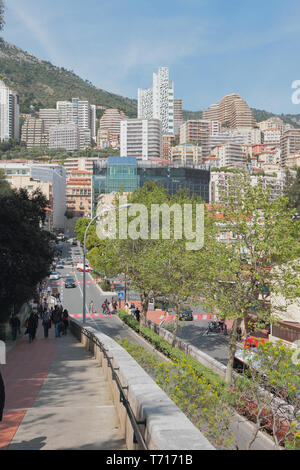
[129, 174]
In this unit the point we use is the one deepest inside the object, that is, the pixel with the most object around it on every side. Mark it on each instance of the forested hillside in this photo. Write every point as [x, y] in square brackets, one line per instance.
[40, 84]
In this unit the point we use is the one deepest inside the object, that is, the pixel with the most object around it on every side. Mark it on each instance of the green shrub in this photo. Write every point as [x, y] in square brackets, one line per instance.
[205, 404]
[165, 348]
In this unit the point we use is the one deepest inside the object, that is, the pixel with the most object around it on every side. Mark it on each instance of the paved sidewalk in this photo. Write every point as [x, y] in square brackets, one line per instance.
[56, 398]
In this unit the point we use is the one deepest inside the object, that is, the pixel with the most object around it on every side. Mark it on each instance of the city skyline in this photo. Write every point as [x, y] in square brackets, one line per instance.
[209, 47]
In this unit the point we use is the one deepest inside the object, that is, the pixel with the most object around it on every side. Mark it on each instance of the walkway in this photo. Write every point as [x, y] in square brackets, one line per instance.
[56, 398]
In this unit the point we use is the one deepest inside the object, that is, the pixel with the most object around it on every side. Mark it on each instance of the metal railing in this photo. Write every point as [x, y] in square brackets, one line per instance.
[138, 437]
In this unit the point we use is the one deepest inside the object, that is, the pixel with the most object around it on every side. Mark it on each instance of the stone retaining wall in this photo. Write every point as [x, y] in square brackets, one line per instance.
[166, 428]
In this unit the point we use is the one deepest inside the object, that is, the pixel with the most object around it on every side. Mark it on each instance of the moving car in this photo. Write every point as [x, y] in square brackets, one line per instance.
[54, 276]
[186, 314]
[69, 283]
[79, 267]
[69, 262]
[60, 265]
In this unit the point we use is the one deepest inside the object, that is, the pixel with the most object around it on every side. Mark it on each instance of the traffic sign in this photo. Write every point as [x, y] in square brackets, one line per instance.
[121, 295]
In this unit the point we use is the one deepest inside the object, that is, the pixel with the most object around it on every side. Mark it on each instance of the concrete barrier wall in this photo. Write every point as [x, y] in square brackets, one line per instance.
[201, 356]
[166, 428]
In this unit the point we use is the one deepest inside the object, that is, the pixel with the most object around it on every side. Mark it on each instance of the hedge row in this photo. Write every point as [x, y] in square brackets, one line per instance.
[165, 348]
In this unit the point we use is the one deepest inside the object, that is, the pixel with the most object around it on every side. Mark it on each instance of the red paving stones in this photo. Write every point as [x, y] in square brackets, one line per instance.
[27, 367]
[9, 426]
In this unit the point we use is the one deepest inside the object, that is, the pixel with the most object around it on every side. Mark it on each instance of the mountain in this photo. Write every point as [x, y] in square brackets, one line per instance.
[40, 84]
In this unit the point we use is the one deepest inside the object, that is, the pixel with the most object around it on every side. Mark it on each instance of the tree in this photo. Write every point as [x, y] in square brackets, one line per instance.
[4, 185]
[176, 271]
[292, 190]
[250, 271]
[268, 392]
[137, 255]
[26, 255]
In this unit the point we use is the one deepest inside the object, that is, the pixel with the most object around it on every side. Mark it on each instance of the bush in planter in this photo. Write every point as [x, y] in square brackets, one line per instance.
[105, 285]
[165, 348]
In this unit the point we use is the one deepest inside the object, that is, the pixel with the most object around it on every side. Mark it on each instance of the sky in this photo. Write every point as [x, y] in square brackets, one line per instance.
[212, 47]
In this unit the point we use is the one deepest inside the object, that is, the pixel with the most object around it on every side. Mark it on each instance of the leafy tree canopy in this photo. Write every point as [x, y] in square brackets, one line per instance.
[26, 254]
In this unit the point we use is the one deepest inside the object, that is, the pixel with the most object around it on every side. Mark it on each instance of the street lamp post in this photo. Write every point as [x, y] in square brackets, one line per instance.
[84, 249]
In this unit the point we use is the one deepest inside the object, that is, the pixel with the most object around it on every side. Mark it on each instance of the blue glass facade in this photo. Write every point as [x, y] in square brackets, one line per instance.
[129, 174]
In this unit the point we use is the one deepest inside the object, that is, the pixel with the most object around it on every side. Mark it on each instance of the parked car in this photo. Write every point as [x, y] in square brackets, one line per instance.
[186, 314]
[54, 276]
[69, 283]
[79, 267]
[60, 265]
[68, 262]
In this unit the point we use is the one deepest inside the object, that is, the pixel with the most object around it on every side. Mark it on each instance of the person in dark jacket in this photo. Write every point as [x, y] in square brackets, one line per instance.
[65, 320]
[2, 396]
[15, 326]
[56, 319]
[32, 326]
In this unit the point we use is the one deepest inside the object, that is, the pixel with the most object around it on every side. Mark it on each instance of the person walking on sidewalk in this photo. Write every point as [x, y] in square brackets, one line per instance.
[36, 320]
[15, 326]
[56, 319]
[46, 322]
[91, 307]
[65, 319]
[31, 326]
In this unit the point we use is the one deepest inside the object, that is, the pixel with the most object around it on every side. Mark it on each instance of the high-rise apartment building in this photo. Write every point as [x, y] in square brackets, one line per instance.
[196, 132]
[50, 118]
[167, 141]
[79, 193]
[230, 155]
[141, 138]
[79, 164]
[290, 148]
[9, 114]
[110, 122]
[178, 116]
[272, 136]
[232, 111]
[34, 134]
[158, 102]
[64, 136]
[274, 122]
[79, 112]
[186, 155]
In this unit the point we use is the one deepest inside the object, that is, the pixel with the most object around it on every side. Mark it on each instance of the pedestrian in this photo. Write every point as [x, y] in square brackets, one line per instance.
[104, 307]
[115, 304]
[2, 396]
[132, 309]
[65, 319]
[31, 326]
[36, 323]
[56, 319]
[91, 307]
[49, 291]
[46, 322]
[15, 326]
[137, 314]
